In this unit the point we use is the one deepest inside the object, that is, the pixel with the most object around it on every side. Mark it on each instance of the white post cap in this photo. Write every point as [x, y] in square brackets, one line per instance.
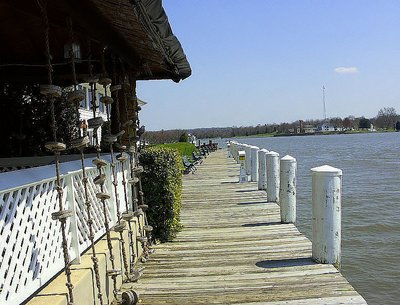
[273, 153]
[326, 170]
[288, 158]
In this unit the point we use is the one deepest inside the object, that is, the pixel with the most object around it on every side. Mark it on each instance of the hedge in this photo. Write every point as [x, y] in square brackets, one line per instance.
[162, 186]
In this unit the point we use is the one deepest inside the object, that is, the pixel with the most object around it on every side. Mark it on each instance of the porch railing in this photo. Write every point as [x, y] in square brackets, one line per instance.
[30, 241]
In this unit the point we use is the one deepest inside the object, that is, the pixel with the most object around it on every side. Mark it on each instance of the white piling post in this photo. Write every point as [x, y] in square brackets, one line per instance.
[237, 149]
[326, 214]
[287, 190]
[247, 149]
[272, 160]
[233, 150]
[234, 146]
[242, 160]
[229, 150]
[262, 170]
[254, 163]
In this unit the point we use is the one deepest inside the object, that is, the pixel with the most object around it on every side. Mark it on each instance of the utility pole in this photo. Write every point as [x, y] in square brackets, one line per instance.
[323, 100]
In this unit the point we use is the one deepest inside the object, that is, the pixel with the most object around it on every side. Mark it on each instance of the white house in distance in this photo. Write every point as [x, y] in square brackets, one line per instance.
[325, 127]
[192, 138]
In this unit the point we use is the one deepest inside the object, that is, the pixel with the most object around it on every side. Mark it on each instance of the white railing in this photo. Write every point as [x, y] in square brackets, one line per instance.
[30, 241]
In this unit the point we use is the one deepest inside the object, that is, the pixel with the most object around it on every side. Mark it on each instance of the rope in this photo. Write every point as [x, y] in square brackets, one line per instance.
[106, 223]
[91, 233]
[130, 232]
[71, 51]
[57, 156]
[116, 94]
[88, 202]
[117, 202]
[137, 190]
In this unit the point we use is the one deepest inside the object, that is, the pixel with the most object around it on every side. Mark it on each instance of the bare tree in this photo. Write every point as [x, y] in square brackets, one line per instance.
[386, 118]
[336, 122]
[348, 122]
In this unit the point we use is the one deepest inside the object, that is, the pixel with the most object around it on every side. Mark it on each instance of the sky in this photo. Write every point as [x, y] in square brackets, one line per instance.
[266, 61]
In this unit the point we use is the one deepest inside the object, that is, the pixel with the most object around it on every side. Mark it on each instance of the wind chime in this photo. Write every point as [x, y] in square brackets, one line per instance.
[135, 181]
[80, 143]
[120, 227]
[142, 206]
[52, 93]
[130, 296]
[131, 211]
[133, 274]
[96, 123]
[139, 169]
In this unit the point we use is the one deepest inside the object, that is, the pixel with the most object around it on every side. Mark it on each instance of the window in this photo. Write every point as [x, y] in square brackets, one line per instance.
[84, 103]
[89, 98]
[101, 105]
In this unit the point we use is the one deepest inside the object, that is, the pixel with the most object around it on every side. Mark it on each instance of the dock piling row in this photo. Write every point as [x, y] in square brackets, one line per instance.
[278, 178]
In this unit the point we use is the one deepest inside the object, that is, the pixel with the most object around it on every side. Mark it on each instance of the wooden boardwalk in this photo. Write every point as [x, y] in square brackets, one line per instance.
[234, 250]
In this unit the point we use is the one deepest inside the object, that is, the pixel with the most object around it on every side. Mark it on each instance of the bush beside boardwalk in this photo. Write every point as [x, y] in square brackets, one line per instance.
[162, 186]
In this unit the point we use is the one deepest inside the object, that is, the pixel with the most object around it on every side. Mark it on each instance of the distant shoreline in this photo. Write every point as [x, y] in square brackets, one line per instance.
[327, 133]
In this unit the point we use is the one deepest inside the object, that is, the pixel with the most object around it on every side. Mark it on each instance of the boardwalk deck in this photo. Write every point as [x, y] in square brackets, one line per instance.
[234, 250]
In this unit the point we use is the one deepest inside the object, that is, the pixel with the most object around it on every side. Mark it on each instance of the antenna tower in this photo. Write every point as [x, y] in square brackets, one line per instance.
[323, 100]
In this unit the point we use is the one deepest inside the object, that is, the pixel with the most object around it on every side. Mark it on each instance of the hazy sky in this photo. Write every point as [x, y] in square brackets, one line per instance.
[265, 61]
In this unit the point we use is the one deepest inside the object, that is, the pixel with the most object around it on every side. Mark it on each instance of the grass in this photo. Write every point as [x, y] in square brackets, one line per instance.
[259, 135]
[184, 148]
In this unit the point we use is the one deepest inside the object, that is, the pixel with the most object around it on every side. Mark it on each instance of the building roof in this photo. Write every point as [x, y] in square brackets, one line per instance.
[137, 32]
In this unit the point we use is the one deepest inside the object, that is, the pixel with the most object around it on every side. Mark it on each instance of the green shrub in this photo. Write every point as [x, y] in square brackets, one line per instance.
[162, 186]
[184, 137]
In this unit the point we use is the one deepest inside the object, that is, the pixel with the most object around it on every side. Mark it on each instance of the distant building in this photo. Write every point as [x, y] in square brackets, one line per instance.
[305, 128]
[372, 128]
[308, 129]
[325, 127]
[301, 128]
[192, 138]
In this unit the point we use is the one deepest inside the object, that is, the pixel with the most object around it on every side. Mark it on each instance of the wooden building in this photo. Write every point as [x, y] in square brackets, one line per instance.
[47, 47]
[125, 40]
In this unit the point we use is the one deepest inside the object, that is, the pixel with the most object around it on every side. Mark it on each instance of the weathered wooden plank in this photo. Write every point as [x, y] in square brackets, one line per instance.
[234, 250]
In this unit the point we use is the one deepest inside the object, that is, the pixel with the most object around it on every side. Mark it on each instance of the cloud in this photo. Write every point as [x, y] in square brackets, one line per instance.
[346, 70]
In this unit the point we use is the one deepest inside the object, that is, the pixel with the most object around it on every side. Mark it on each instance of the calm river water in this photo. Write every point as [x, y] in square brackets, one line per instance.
[370, 204]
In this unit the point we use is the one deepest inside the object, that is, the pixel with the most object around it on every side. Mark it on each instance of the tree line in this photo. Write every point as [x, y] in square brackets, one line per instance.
[386, 119]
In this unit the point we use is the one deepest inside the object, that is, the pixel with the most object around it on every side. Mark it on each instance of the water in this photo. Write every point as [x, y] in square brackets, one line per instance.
[370, 204]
